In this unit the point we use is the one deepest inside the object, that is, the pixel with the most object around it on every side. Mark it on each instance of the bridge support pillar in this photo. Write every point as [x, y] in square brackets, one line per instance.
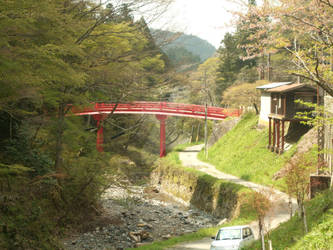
[100, 138]
[162, 119]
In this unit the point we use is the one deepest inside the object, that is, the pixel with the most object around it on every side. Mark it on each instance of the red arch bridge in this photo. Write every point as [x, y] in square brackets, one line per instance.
[160, 109]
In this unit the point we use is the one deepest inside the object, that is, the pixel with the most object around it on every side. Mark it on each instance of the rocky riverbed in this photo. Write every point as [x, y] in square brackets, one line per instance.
[139, 215]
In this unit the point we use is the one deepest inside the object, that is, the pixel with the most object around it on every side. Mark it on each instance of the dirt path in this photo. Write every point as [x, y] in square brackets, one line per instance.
[279, 213]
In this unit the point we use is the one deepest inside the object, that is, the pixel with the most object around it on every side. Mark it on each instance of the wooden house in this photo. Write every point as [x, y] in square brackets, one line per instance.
[265, 100]
[283, 108]
[278, 107]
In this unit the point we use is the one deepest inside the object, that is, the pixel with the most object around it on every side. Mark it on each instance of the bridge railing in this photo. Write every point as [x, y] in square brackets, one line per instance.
[156, 107]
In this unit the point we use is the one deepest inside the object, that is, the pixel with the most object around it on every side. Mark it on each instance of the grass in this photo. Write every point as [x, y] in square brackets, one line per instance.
[290, 235]
[243, 152]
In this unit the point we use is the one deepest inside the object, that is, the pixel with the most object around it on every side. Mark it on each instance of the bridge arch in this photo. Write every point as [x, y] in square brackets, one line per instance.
[161, 110]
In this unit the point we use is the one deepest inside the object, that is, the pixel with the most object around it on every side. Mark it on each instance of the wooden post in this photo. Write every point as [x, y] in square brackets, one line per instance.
[285, 106]
[100, 138]
[269, 132]
[278, 136]
[162, 119]
[274, 135]
[282, 137]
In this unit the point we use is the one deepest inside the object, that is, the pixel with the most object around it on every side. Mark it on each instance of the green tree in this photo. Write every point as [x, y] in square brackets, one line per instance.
[244, 94]
[304, 34]
[231, 54]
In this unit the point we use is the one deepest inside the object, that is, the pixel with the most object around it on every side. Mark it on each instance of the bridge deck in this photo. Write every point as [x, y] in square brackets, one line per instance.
[158, 108]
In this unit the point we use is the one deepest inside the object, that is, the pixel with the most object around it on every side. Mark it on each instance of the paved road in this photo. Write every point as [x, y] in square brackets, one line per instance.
[278, 214]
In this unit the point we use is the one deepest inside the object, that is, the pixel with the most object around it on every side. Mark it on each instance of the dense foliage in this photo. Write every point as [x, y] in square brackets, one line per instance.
[299, 29]
[55, 54]
[290, 235]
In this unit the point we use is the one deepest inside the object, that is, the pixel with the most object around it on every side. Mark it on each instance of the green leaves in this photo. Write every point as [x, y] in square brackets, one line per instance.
[15, 169]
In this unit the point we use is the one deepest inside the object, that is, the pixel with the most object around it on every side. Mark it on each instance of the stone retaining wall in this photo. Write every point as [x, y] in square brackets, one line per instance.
[202, 191]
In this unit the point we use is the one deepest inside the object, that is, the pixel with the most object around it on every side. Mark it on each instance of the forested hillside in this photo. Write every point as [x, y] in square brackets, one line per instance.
[55, 54]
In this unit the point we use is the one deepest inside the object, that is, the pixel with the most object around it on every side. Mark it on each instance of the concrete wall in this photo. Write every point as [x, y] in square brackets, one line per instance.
[207, 193]
[265, 108]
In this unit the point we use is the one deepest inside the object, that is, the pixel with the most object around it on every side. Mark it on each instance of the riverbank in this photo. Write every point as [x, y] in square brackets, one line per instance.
[136, 216]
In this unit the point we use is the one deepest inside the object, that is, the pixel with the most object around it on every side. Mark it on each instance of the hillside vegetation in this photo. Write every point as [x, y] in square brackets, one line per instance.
[243, 152]
[290, 235]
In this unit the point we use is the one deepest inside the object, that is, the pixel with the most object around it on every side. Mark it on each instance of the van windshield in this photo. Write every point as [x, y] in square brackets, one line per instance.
[229, 234]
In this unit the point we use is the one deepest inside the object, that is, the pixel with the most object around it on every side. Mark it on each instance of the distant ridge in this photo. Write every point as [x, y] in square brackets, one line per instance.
[195, 45]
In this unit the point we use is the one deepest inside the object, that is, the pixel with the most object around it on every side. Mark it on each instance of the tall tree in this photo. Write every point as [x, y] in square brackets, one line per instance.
[304, 30]
[231, 54]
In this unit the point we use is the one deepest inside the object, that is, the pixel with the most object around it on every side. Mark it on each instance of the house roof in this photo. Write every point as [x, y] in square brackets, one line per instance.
[273, 85]
[288, 88]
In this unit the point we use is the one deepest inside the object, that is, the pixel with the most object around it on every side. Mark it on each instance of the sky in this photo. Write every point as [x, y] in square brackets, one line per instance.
[207, 19]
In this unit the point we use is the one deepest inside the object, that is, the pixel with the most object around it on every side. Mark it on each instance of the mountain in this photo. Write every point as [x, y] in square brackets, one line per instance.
[175, 42]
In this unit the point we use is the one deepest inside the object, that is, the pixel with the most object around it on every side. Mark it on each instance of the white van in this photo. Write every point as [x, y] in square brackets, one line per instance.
[232, 238]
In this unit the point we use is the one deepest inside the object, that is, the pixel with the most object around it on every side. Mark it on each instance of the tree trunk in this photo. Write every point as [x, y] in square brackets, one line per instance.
[88, 121]
[198, 133]
[290, 204]
[304, 219]
[190, 141]
[261, 234]
[10, 127]
[59, 137]
[256, 108]
[299, 208]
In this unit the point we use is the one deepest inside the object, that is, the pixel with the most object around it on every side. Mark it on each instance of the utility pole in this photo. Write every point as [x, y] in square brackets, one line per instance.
[269, 70]
[206, 133]
[298, 66]
[206, 104]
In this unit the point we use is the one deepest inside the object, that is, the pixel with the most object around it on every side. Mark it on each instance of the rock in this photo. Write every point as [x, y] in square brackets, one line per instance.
[143, 222]
[165, 237]
[145, 235]
[135, 236]
[144, 225]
